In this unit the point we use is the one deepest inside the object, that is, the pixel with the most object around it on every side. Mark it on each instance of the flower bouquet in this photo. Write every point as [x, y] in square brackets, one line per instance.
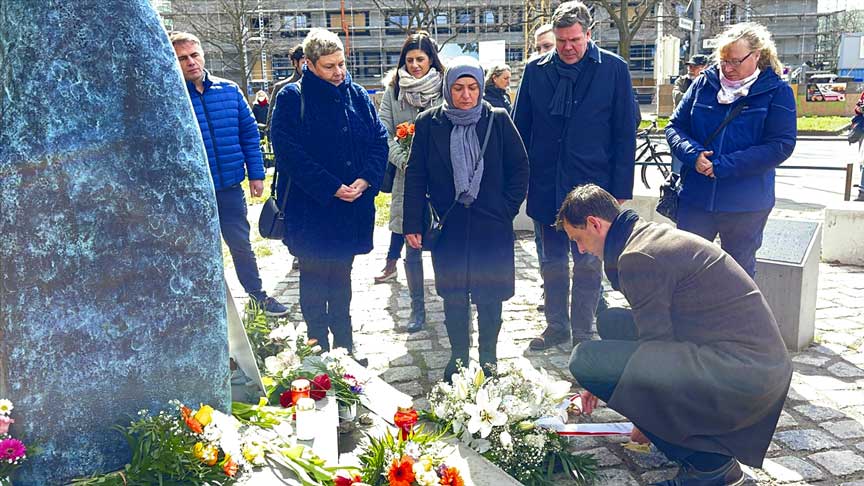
[13, 452]
[207, 447]
[416, 461]
[495, 415]
[405, 135]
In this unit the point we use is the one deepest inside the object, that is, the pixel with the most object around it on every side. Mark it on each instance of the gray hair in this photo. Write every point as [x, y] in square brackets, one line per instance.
[496, 71]
[319, 43]
[571, 13]
[178, 37]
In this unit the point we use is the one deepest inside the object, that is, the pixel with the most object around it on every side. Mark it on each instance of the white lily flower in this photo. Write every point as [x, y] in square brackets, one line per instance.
[484, 414]
[506, 440]
[283, 333]
[273, 365]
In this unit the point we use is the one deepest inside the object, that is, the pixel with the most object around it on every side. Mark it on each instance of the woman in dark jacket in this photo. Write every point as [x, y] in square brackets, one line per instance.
[729, 182]
[497, 91]
[261, 107]
[477, 193]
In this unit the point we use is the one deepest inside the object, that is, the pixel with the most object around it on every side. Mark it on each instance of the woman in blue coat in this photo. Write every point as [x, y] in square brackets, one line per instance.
[729, 183]
[331, 151]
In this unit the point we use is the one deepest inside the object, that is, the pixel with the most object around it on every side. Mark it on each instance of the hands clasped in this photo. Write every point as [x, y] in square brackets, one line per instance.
[705, 166]
[353, 192]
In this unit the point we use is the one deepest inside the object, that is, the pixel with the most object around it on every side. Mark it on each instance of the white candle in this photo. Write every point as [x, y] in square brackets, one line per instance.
[305, 410]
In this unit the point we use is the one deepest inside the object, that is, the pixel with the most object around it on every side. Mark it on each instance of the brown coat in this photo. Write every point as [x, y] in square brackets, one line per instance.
[712, 371]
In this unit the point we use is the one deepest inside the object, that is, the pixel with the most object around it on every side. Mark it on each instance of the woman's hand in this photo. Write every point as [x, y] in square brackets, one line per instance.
[703, 165]
[415, 240]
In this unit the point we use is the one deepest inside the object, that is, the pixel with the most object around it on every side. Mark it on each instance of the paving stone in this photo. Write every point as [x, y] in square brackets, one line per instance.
[818, 413]
[839, 463]
[422, 345]
[845, 429]
[860, 446]
[853, 483]
[404, 360]
[607, 415]
[649, 460]
[436, 359]
[806, 440]
[605, 457]
[790, 469]
[616, 477]
[659, 475]
[810, 359]
[845, 370]
[413, 388]
[581, 443]
[401, 374]
[826, 383]
[847, 398]
[786, 421]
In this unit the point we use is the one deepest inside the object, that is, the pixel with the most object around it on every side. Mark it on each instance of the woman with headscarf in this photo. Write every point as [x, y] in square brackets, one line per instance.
[477, 193]
[414, 86]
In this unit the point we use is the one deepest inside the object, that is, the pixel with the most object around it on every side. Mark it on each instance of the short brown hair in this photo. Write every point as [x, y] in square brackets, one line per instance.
[587, 200]
[178, 37]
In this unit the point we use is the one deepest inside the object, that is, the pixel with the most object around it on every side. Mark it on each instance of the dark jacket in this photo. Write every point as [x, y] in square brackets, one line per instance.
[746, 151]
[711, 371]
[340, 140]
[260, 112]
[475, 251]
[597, 144]
[682, 84]
[497, 97]
[229, 132]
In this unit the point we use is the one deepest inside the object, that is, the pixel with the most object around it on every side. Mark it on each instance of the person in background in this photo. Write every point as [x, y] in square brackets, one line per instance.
[859, 111]
[298, 60]
[261, 107]
[695, 66]
[415, 86]
[576, 113]
[328, 139]
[697, 363]
[728, 184]
[544, 41]
[233, 149]
[497, 90]
[477, 193]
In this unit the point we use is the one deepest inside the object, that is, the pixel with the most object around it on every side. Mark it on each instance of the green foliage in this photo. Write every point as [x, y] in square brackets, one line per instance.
[382, 209]
[377, 453]
[822, 123]
[252, 201]
[258, 327]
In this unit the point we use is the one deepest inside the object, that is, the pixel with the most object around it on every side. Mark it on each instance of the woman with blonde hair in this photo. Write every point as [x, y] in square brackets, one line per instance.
[734, 126]
[497, 90]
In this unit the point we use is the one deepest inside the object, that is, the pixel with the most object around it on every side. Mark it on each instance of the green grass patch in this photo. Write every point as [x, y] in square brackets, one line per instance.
[805, 123]
[252, 201]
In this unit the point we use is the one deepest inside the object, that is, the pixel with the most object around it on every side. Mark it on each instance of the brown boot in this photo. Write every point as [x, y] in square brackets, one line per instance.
[388, 273]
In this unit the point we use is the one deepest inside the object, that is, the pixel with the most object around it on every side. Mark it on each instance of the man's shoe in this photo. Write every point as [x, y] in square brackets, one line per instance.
[272, 307]
[727, 475]
[295, 265]
[579, 337]
[548, 339]
[602, 305]
[416, 321]
[387, 273]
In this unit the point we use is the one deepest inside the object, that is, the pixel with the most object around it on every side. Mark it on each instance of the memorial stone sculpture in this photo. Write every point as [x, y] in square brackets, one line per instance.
[112, 297]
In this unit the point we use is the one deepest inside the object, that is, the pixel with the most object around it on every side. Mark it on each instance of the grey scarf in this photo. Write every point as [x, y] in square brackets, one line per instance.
[419, 93]
[465, 153]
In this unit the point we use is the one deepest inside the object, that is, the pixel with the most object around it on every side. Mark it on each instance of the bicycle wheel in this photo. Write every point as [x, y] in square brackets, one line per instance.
[662, 161]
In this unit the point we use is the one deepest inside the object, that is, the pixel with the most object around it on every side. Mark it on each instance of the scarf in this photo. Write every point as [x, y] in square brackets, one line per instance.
[616, 238]
[419, 93]
[732, 90]
[465, 153]
[562, 99]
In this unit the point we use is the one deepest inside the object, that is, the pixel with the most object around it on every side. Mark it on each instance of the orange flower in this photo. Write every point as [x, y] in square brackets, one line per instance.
[185, 412]
[194, 425]
[401, 131]
[401, 472]
[411, 129]
[230, 467]
[451, 477]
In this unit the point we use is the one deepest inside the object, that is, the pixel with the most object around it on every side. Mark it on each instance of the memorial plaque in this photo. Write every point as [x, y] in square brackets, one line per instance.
[787, 241]
[112, 298]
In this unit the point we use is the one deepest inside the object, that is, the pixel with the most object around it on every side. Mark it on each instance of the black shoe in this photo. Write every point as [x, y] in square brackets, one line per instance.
[602, 305]
[727, 475]
[549, 338]
[417, 321]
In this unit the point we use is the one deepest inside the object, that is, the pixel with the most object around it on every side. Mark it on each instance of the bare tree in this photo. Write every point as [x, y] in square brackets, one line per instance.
[628, 20]
[418, 15]
[238, 30]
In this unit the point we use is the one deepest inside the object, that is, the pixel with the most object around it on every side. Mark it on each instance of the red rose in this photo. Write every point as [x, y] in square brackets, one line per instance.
[342, 481]
[320, 385]
[285, 399]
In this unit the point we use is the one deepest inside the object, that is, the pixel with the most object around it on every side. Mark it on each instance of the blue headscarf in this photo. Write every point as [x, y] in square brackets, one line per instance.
[465, 153]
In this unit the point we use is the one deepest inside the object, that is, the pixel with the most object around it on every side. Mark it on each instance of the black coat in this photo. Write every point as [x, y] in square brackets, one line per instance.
[497, 97]
[475, 251]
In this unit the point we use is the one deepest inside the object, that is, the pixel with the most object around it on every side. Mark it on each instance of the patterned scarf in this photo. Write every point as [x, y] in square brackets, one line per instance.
[419, 93]
[732, 90]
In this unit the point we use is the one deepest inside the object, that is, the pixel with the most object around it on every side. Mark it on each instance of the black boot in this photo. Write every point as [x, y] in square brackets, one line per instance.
[414, 276]
[489, 324]
[457, 320]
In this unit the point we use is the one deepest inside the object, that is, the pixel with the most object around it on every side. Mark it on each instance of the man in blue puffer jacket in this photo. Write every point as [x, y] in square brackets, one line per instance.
[232, 142]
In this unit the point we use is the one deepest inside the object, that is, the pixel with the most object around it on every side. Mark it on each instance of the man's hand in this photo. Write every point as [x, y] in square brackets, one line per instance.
[256, 188]
[589, 402]
[347, 193]
[415, 240]
[703, 165]
[360, 185]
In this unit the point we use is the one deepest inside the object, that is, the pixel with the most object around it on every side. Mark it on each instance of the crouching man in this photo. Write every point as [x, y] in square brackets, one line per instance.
[698, 364]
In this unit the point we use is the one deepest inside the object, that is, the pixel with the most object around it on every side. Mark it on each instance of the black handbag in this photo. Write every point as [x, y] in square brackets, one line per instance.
[271, 221]
[670, 191]
[433, 225]
[389, 176]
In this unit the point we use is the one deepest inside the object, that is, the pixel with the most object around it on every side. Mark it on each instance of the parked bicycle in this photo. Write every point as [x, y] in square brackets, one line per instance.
[648, 153]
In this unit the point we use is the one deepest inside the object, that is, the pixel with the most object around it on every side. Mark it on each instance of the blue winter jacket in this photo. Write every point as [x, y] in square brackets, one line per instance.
[229, 131]
[339, 141]
[746, 151]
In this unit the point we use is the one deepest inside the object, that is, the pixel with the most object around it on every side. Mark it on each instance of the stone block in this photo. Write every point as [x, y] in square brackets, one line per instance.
[605, 457]
[819, 414]
[845, 370]
[845, 429]
[791, 469]
[839, 463]
[844, 228]
[806, 440]
[401, 374]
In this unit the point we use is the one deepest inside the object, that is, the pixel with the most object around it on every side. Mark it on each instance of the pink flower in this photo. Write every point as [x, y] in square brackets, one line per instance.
[5, 422]
[12, 450]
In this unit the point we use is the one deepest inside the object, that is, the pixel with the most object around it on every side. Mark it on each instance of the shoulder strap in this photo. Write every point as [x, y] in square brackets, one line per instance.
[276, 169]
[735, 111]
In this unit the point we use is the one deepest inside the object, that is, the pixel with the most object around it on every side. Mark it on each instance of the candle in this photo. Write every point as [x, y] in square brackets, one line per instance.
[405, 418]
[305, 408]
[300, 389]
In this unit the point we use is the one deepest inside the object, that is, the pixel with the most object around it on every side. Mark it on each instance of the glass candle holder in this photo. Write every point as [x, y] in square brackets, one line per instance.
[405, 419]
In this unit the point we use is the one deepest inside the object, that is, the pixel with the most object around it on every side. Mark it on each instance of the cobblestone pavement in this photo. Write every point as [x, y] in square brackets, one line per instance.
[820, 438]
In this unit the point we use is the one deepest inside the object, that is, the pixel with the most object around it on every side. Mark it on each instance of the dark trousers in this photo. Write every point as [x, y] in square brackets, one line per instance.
[325, 300]
[583, 287]
[395, 249]
[538, 241]
[740, 233]
[457, 320]
[234, 224]
[598, 366]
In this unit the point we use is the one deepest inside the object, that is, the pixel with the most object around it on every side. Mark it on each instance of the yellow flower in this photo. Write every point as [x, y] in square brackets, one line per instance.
[204, 415]
[254, 454]
[205, 453]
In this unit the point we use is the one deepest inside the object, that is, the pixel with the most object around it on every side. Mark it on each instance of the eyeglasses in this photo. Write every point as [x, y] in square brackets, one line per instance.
[735, 62]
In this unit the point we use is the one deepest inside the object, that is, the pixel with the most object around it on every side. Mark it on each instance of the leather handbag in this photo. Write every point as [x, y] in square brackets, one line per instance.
[433, 225]
[271, 221]
[670, 191]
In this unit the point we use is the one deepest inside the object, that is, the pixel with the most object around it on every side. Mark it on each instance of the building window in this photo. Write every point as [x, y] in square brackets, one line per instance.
[260, 26]
[294, 25]
[357, 23]
[282, 67]
[442, 23]
[372, 64]
[397, 23]
[514, 55]
[488, 17]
